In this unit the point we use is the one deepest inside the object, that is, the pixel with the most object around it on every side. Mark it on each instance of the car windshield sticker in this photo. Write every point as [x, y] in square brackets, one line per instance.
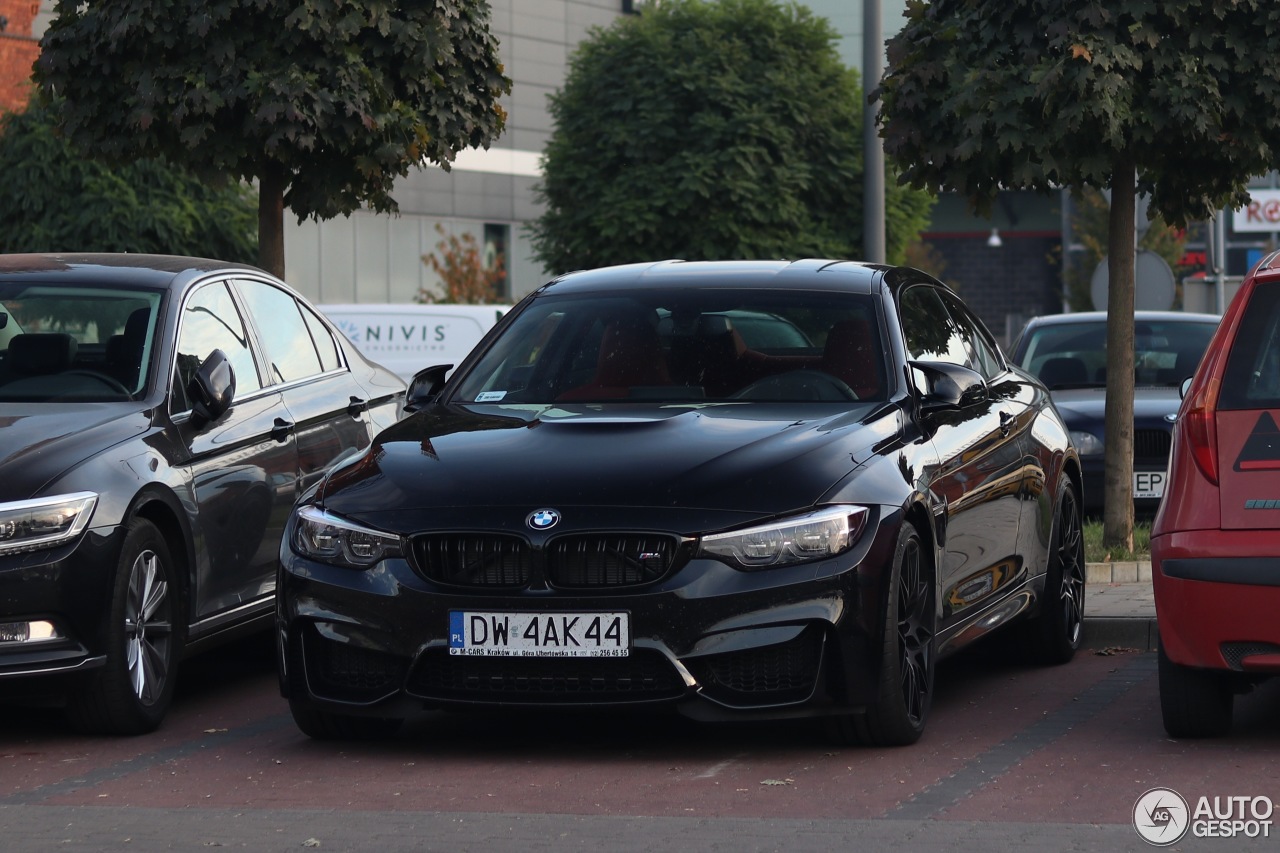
[490, 396]
[1262, 451]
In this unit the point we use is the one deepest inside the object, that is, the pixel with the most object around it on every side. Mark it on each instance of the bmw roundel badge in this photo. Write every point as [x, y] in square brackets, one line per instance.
[543, 519]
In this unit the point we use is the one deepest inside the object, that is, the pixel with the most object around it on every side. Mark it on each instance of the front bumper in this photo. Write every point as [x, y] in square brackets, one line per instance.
[1215, 608]
[69, 587]
[713, 641]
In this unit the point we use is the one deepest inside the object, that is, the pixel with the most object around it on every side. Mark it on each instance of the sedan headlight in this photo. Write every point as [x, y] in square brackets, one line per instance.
[44, 522]
[1087, 443]
[813, 536]
[326, 538]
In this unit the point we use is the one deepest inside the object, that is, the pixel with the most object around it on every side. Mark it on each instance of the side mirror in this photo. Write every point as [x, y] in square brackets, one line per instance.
[949, 386]
[425, 387]
[212, 388]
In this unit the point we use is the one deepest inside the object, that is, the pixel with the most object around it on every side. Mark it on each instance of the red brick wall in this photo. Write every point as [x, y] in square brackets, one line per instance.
[18, 50]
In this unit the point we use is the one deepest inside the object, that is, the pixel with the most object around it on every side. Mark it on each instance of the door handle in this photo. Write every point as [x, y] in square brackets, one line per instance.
[282, 430]
[1006, 424]
[357, 406]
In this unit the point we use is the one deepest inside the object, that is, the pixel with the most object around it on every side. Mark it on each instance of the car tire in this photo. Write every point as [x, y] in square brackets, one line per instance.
[326, 725]
[1056, 631]
[1195, 703]
[130, 694]
[904, 693]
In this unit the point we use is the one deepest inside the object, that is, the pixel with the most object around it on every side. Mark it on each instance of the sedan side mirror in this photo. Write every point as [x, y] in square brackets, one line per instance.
[425, 387]
[212, 388]
[949, 386]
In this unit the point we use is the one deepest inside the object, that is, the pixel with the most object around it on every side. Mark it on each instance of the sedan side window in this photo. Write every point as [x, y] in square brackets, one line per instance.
[291, 353]
[930, 332]
[986, 358]
[210, 321]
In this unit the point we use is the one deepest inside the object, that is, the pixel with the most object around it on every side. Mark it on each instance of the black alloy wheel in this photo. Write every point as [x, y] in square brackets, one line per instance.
[904, 692]
[1056, 631]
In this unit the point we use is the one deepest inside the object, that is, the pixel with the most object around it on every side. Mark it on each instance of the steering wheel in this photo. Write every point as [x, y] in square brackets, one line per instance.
[109, 381]
[797, 385]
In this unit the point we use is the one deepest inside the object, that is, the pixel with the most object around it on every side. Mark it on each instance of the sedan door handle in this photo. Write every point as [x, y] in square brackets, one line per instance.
[1006, 423]
[282, 430]
[357, 407]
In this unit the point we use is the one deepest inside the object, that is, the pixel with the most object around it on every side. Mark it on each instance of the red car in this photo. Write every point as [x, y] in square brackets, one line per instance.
[1215, 546]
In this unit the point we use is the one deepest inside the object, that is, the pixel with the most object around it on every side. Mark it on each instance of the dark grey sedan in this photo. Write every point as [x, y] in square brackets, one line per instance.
[160, 416]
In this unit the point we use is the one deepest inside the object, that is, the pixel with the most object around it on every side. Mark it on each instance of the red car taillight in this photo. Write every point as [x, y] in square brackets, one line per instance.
[1199, 419]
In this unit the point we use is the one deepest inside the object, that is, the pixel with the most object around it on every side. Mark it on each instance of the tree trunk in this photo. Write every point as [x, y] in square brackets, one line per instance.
[271, 185]
[1117, 519]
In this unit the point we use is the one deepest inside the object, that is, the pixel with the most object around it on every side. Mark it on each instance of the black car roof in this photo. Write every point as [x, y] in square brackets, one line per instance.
[851, 276]
[160, 271]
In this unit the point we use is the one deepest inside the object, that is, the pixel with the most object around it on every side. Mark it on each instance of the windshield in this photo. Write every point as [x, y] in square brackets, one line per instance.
[684, 346]
[1074, 355]
[75, 344]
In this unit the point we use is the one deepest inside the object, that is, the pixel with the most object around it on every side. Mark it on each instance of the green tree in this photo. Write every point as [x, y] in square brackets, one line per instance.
[55, 201]
[707, 130]
[323, 103]
[1130, 95]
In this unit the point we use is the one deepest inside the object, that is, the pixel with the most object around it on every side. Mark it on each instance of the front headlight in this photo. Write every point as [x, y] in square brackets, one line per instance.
[44, 522]
[1087, 443]
[326, 538]
[814, 536]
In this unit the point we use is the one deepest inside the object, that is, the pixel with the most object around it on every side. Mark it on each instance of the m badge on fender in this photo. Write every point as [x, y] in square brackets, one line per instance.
[1262, 451]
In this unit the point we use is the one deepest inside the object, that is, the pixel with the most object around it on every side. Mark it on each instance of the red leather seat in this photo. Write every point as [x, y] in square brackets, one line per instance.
[630, 356]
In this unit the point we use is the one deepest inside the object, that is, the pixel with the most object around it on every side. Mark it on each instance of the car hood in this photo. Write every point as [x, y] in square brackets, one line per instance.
[696, 467]
[43, 440]
[1089, 404]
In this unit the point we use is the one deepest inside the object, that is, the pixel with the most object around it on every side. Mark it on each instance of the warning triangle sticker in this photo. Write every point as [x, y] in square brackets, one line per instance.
[1262, 450]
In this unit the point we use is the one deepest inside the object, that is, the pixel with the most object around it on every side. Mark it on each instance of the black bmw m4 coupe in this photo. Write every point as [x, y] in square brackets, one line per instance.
[736, 489]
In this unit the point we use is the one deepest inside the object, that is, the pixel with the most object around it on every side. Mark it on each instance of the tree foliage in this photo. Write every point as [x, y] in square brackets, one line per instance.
[465, 277]
[56, 201]
[707, 130]
[323, 102]
[1131, 95]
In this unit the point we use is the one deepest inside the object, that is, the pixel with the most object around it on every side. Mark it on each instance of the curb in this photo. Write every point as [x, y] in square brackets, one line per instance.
[1138, 571]
[1105, 632]
[1119, 632]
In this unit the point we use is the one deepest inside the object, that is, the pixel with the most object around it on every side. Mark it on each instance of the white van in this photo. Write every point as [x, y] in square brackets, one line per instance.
[406, 338]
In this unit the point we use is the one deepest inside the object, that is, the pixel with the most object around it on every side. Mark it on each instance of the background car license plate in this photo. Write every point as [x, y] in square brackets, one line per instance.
[1148, 484]
[507, 634]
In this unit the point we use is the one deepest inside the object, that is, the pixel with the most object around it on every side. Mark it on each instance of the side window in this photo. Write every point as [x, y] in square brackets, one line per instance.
[210, 321]
[290, 352]
[986, 357]
[930, 332]
[326, 347]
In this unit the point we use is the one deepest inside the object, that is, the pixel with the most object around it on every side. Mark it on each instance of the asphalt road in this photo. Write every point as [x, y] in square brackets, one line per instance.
[1014, 758]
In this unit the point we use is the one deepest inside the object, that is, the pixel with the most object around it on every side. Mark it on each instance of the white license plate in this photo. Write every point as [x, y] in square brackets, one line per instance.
[508, 634]
[1148, 484]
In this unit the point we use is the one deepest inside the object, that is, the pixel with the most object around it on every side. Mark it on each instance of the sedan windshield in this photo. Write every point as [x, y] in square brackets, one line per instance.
[75, 344]
[1074, 355]
[687, 345]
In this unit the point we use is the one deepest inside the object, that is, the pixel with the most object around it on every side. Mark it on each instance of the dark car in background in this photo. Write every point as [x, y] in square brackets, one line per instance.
[160, 417]
[1068, 353]
[1215, 545]
[621, 499]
